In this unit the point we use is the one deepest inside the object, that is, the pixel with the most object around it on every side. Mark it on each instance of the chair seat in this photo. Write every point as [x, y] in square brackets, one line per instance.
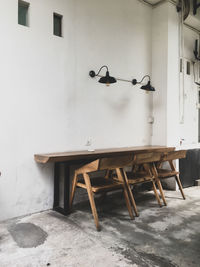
[138, 177]
[138, 174]
[164, 173]
[101, 184]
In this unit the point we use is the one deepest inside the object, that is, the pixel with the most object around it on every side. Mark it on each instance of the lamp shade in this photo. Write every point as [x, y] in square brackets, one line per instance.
[148, 87]
[107, 79]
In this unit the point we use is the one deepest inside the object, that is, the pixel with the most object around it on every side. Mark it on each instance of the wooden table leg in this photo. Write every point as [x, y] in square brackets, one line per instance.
[65, 210]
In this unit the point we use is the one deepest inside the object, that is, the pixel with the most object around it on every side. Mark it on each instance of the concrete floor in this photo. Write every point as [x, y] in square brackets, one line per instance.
[167, 236]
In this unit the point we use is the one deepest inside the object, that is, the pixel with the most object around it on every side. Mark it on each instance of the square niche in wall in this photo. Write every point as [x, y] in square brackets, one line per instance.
[57, 24]
[23, 13]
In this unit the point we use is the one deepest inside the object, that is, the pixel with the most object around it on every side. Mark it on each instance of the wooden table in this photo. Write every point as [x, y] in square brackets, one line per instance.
[70, 158]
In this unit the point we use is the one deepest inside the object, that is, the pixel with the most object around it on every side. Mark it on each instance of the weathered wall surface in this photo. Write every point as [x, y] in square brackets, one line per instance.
[48, 102]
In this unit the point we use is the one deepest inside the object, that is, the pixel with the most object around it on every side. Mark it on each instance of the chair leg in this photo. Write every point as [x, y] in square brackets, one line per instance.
[73, 191]
[161, 191]
[108, 174]
[177, 178]
[126, 195]
[157, 180]
[180, 186]
[156, 194]
[124, 176]
[91, 199]
[128, 204]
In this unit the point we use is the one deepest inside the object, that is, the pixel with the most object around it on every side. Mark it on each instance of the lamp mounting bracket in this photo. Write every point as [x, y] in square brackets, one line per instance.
[134, 82]
[196, 5]
[92, 74]
[196, 51]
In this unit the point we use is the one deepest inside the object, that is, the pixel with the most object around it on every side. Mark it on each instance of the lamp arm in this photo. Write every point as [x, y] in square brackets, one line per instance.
[144, 78]
[101, 69]
[118, 79]
[123, 80]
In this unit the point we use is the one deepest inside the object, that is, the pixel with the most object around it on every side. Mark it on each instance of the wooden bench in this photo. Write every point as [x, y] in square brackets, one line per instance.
[67, 159]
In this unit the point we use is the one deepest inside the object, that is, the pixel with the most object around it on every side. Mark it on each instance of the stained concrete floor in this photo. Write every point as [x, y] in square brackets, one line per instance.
[167, 236]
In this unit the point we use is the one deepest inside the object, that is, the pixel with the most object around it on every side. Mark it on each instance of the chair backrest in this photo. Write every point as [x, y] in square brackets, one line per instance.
[147, 157]
[116, 162]
[89, 167]
[126, 161]
[174, 155]
[106, 163]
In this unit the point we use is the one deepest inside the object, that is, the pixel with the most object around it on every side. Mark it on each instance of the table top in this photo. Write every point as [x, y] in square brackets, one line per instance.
[98, 153]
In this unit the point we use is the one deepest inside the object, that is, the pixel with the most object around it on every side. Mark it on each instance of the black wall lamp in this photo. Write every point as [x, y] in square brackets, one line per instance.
[107, 79]
[147, 87]
[104, 79]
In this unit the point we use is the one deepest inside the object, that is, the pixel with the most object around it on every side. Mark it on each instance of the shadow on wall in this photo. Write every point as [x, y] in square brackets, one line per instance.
[120, 105]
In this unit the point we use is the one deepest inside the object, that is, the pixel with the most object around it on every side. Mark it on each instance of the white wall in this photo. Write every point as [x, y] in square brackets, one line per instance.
[118, 34]
[175, 102]
[165, 75]
[173, 135]
[48, 102]
[159, 72]
[189, 122]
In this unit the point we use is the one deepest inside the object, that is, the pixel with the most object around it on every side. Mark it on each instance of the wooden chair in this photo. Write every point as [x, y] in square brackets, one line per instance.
[143, 172]
[172, 172]
[83, 180]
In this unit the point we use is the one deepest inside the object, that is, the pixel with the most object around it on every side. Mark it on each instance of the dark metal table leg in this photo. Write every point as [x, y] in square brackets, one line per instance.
[57, 194]
[56, 185]
[66, 187]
